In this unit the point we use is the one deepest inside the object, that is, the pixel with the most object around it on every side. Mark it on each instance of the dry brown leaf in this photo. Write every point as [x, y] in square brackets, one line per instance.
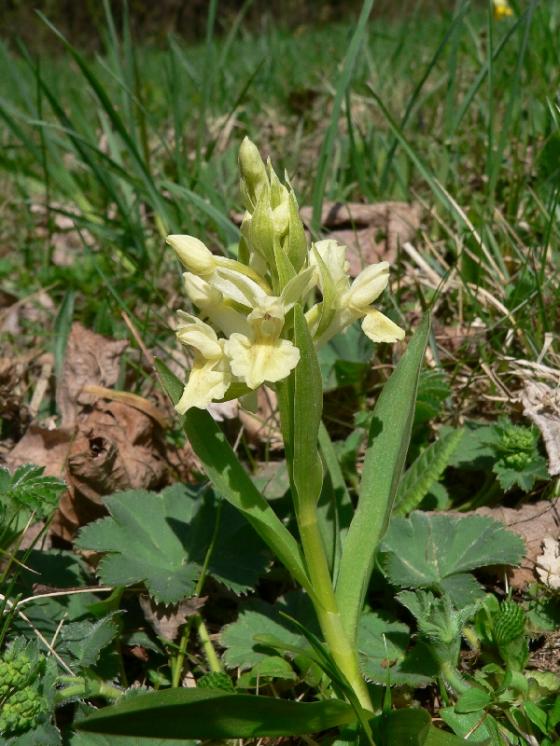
[532, 522]
[166, 620]
[90, 359]
[43, 447]
[36, 309]
[116, 447]
[541, 404]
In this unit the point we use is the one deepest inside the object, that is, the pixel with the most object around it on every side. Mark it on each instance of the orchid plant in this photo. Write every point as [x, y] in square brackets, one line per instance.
[259, 320]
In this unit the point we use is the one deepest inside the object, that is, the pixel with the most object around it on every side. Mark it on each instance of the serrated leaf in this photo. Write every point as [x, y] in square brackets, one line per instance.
[462, 588]
[162, 540]
[427, 469]
[44, 734]
[28, 489]
[433, 390]
[423, 550]
[258, 618]
[524, 478]
[477, 446]
[84, 641]
[386, 657]
[209, 713]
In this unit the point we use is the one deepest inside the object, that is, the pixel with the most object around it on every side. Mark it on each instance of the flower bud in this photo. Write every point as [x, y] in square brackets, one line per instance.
[253, 170]
[369, 285]
[193, 254]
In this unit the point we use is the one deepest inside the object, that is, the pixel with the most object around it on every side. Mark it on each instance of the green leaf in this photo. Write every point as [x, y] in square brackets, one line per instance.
[386, 656]
[481, 728]
[524, 477]
[234, 484]
[83, 642]
[422, 551]
[98, 739]
[62, 326]
[27, 489]
[427, 469]
[307, 409]
[271, 667]
[334, 511]
[385, 458]
[473, 700]
[208, 713]
[345, 359]
[433, 390]
[44, 734]
[162, 540]
[258, 618]
[406, 727]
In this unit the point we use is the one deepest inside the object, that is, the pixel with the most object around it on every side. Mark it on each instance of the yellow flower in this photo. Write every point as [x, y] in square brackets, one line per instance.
[262, 355]
[502, 9]
[344, 302]
[210, 375]
[242, 340]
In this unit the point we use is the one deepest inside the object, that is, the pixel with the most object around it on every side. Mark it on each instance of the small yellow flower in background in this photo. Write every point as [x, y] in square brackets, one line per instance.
[502, 9]
[243, 337]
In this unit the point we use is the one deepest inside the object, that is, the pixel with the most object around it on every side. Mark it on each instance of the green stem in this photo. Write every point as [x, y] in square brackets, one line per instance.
[326, 608]
[454, 678]
[85, 688]
[197, 620]
[209, 650]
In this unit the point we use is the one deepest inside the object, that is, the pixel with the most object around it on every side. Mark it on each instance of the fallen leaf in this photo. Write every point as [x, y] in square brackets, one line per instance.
[548, 563]
[167, 619]
[532, 522]
[90, 359]
[541, 404]
[43, 447]
[36, 309]
[116, 447]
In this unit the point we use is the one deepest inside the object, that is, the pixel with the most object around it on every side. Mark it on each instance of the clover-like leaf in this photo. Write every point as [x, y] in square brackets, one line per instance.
[435, 551]
[386, 657]
[162, 540]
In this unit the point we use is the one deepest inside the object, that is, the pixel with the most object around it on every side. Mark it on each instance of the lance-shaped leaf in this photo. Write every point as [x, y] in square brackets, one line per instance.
[210, 713]
[389, 438]
[234, 484]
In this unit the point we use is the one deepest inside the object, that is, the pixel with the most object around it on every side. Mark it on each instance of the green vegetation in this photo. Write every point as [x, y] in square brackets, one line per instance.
[336, 587]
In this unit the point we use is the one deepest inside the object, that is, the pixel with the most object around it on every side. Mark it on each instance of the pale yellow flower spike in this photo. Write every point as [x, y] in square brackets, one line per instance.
[247, 301]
